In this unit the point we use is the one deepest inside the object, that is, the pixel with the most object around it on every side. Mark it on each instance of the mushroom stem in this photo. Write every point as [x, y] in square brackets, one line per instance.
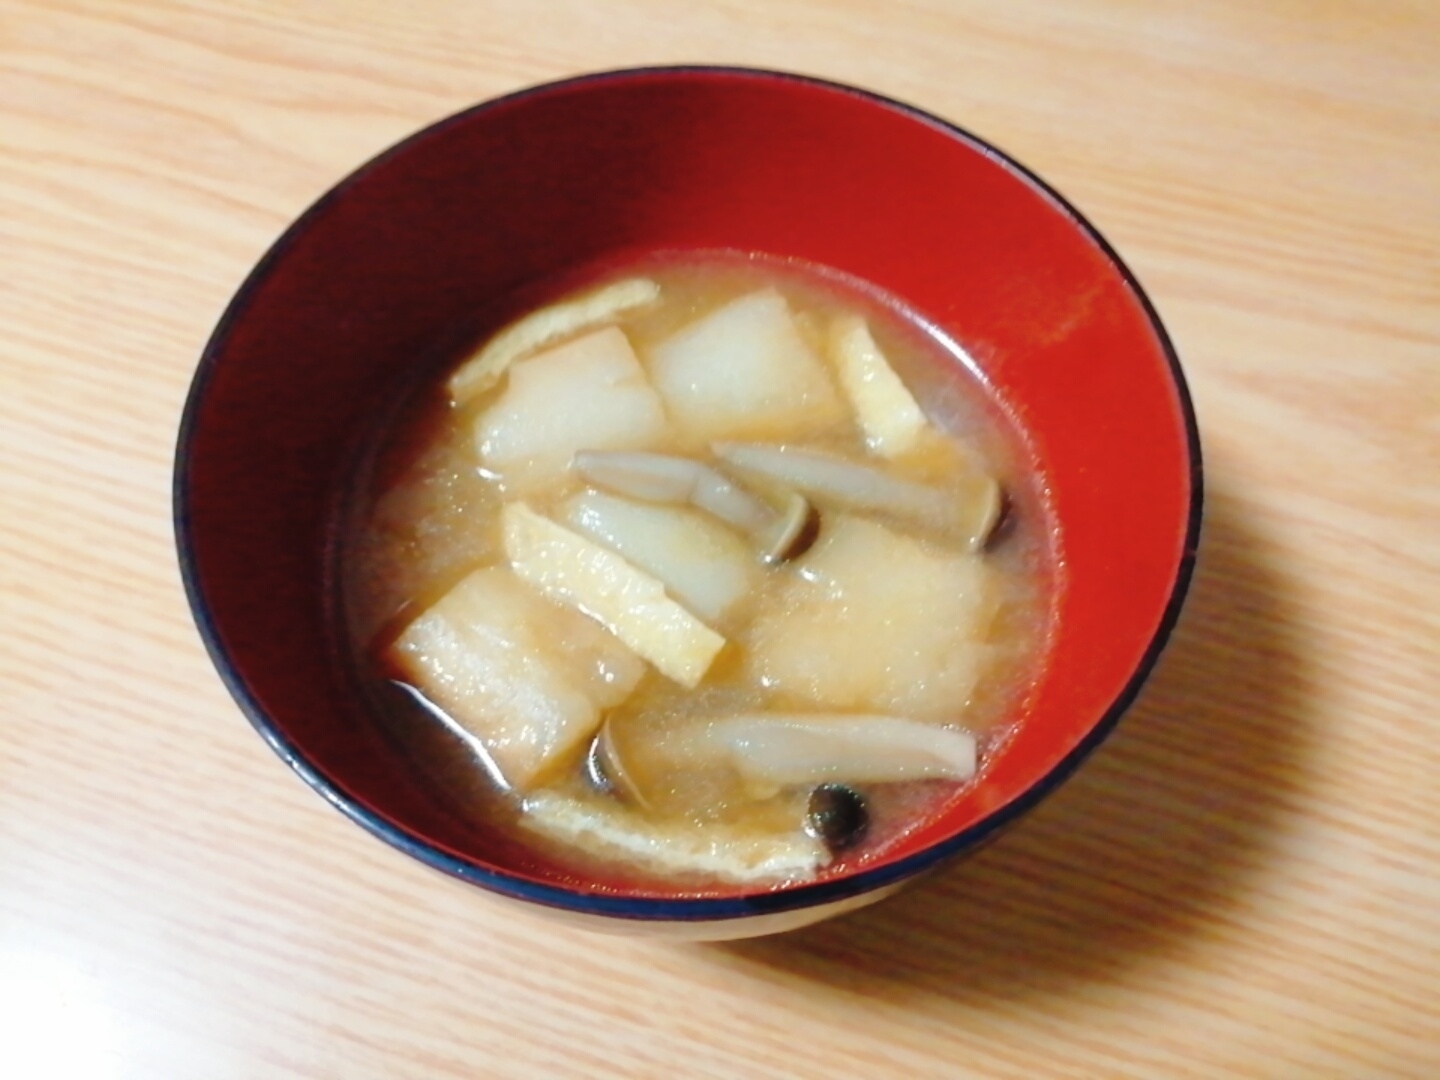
[799, 748]
[851, 486]
[680, 481]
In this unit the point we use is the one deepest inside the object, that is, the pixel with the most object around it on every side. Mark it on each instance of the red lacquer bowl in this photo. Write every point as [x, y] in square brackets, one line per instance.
[476, 212]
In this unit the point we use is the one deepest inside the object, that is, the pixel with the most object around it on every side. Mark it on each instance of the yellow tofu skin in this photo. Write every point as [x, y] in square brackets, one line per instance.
[572, 570]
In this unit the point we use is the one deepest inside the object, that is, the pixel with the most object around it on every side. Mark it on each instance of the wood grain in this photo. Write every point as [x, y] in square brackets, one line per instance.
[1245, 882]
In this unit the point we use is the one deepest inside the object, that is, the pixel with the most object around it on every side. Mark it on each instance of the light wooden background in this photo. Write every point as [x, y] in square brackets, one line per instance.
[1243, 883]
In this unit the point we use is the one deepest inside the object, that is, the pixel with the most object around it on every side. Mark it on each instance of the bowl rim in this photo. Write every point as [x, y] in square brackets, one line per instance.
[601, 902]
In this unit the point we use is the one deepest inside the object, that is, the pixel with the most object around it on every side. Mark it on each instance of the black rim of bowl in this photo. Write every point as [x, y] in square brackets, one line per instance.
[679, 909]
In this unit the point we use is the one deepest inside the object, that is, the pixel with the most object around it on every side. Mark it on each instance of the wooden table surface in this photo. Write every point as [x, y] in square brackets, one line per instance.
[1243, 882]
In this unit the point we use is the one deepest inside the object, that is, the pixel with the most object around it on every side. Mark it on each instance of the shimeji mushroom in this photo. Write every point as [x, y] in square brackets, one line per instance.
[663, 478]
[768, 751]
[969, 513]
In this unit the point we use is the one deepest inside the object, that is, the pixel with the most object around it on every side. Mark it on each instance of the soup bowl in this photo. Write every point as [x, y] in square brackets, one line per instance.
[460, 226]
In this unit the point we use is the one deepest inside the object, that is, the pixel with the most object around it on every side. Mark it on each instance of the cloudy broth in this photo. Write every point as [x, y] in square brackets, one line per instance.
[427, 510]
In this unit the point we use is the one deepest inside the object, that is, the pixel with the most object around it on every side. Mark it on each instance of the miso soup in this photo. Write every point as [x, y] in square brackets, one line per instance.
[720, 568]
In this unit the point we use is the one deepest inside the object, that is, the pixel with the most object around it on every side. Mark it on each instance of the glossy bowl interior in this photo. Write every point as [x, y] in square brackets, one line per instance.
[460, 225]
